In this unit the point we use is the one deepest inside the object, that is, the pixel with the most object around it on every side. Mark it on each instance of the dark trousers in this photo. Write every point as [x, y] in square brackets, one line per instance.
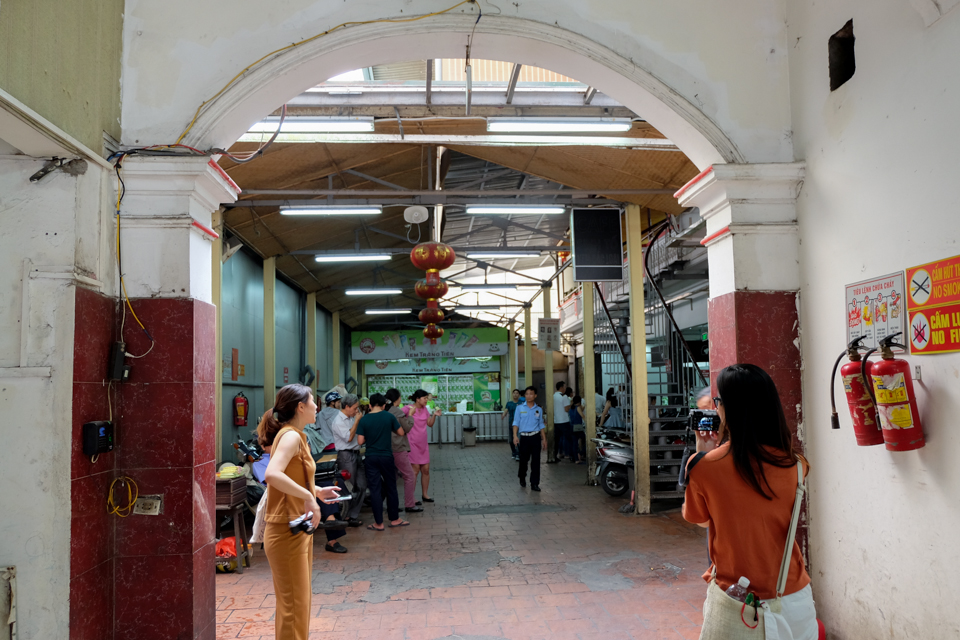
[563, 433]
[530, 452]
[382, 480]
[351, 462]
[513, 448]
[327, 510]
[579, 445]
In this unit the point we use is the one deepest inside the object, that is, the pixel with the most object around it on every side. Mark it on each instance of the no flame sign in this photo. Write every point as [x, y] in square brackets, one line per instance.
[933, 305]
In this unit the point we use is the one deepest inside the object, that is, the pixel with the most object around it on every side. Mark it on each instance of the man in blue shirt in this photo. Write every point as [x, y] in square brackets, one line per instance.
[529, 434]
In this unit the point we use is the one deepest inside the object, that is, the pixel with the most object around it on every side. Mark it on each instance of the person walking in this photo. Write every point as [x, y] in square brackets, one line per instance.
[401, 452]
[419, 446]
[611, 416]
[508, 411]
[291, 494]
[746, 490]
[530, 436]
[348, 454]
[579, 436]
[374, 431]
[561, 424]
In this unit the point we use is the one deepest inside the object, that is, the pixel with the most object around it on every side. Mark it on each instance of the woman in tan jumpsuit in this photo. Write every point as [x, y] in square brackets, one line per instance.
[291, 494]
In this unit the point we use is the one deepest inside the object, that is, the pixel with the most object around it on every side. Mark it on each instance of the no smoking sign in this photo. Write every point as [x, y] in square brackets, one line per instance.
[933, 306]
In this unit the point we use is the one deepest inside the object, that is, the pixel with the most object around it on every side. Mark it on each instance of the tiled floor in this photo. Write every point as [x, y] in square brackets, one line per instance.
[491, 560]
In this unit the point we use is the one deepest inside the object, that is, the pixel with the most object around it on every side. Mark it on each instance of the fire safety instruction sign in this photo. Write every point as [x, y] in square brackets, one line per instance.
[875, 309]
[934, 306]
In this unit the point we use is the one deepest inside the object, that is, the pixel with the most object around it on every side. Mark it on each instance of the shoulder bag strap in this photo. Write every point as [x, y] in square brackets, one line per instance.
[792, 534]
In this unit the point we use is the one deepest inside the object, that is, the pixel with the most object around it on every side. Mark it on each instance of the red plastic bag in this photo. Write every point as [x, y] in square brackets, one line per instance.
[227, 548]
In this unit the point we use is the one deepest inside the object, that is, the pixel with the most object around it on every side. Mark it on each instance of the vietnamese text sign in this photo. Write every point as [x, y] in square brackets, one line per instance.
[875, 309]
[548, 334]
[455, 343]
[432, 365]
[933, 304]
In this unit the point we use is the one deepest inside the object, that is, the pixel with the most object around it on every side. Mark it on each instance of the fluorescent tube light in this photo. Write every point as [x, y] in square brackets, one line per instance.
[356, 257]
[505, 254]
[373, 292]
[518, 209]
[316, 124]
[382, 312]
[479, 307]
[331, 210]
[558, 125]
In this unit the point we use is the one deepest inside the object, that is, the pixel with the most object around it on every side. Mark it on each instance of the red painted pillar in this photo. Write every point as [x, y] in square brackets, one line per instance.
[152, 576]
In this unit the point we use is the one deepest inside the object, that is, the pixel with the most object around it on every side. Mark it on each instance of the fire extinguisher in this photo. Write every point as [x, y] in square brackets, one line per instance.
[892, 390]
[241, 407]
[863, 411]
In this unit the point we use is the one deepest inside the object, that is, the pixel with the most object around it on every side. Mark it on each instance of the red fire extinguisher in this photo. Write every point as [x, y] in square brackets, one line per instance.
[863, 412]
[241, 407]
[892, 387]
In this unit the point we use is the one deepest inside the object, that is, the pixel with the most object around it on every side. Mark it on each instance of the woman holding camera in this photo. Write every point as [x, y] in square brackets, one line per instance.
[291, 494]
[745, 488]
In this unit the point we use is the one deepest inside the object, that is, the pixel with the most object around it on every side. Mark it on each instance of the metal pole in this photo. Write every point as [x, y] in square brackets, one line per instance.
[335, 356]
[269, 333]
[548, 383]
[527, 349]
[589, 381]
[638, 353]
[312, 339]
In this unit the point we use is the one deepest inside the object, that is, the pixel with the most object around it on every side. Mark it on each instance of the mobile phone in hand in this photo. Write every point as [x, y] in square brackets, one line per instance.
[341, 498]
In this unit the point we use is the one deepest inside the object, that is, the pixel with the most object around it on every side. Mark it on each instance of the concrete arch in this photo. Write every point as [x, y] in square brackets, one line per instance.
[529, 42]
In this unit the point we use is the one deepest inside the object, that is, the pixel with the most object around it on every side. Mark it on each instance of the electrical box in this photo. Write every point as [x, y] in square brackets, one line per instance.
[116, 369]
[597, 245]
[97, 437]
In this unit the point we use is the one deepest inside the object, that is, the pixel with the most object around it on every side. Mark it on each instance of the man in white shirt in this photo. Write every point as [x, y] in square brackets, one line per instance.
[561, 424]
[344, 430]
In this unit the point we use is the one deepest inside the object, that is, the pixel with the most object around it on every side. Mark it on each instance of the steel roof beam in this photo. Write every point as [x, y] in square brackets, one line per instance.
[405, 250]
[488, 140]
[370, 178]
[373, 193]
[428, 201]
[512, 86]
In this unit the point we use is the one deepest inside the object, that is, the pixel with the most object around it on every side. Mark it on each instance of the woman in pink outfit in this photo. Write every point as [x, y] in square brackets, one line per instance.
[419, 449]
[401, 451]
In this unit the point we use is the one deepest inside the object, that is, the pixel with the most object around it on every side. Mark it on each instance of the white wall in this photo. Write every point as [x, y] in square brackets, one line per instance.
[878, 198]
[55, 224]
[728, 62]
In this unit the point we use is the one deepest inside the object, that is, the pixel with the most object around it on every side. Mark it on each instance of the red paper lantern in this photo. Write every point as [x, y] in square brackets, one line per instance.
[426, 291]
[431, 316]
[433, 332]
[432, 257]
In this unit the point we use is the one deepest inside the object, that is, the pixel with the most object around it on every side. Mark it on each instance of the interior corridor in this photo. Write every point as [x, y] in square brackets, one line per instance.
[490, 559]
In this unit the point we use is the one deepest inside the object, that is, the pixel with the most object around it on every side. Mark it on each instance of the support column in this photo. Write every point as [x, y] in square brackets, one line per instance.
[589, 381]
[355, 374]
[511, 363]
[216, 270]
[312, 338]
[527, 348]
[638, 361]
[336, 348]
[548, 383]
[753, 252]
[165, 415]
[269, 332]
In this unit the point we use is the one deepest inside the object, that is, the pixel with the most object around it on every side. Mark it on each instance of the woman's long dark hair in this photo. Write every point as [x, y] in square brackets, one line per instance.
[755, 424]
[419, 393]
[393, 397]
[283, 411]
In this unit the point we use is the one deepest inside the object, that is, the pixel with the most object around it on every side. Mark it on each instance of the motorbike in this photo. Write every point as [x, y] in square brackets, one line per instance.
[614, 466]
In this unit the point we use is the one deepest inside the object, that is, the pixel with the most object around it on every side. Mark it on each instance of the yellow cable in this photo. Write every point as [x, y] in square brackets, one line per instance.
[297, 44]
[133, 492]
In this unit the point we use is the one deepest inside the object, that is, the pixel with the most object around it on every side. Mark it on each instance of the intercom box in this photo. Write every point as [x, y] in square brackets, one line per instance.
[97, 437]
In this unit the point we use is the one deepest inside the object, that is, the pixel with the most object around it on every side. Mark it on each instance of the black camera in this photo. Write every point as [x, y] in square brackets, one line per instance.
[703, 420]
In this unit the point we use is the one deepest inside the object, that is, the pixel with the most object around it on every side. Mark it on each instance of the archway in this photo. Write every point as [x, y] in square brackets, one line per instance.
[287, 74]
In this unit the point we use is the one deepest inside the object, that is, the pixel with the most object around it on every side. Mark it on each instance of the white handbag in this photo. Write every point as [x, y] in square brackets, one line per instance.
[725, 618]
[260, 522]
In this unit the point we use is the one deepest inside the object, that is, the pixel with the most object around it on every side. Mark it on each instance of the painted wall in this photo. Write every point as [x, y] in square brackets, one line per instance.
[55, 226]
[714, 58]
[242, 300]
[878, 197]
[62, 59]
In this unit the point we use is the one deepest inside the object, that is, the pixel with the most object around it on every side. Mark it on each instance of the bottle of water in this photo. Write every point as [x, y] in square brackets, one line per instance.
[738, 590]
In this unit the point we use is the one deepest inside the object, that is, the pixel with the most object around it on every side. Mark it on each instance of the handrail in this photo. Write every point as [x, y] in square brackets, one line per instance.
[616, 336]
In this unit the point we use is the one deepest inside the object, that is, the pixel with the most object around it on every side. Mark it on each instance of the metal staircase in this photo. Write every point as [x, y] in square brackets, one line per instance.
[673, 375]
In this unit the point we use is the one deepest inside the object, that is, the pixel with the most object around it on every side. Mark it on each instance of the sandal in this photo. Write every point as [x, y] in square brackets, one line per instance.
[402, 523]
[373, 527]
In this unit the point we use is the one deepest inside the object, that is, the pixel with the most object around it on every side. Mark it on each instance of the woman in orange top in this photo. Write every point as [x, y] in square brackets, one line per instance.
[291, 494]
[744, 490]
